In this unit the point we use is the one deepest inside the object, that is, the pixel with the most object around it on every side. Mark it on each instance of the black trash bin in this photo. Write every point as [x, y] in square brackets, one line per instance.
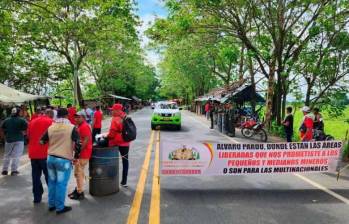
[104, 171]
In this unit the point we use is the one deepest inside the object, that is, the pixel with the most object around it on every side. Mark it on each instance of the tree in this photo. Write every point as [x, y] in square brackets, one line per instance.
[274, 32]
[73, 29]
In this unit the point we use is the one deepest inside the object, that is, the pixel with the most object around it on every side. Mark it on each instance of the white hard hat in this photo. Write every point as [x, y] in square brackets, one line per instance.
[306, 109]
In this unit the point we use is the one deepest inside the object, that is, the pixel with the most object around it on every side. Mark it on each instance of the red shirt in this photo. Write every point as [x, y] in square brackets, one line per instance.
[35, 115]
[84, 130]
[207, 107]
[71, 113]
[36, 130]
[115, 132]
[98, 116]
[308, 135]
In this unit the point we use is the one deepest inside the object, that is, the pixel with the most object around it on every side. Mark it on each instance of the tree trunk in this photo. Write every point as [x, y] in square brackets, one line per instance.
[284, 101]
[274, 108]
[253, 84]
[307, 96]
[270, 95]
[241, 67]
[278, 99]
[79, 94]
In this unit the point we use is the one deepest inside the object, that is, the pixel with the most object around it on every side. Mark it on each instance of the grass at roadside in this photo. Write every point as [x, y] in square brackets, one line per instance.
[335, 126]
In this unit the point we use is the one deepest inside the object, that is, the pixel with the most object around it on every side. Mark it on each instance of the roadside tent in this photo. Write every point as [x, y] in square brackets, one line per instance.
[119, 97]
[10, 96]
[243, 94]
[136, 99]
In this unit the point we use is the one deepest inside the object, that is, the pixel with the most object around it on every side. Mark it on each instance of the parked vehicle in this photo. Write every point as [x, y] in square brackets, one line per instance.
[166, 114]
[251, 127]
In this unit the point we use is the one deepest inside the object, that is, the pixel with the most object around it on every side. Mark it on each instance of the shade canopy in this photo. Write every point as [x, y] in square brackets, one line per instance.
[136, 99]
[9, 95]
[243, 94]
[119, 97]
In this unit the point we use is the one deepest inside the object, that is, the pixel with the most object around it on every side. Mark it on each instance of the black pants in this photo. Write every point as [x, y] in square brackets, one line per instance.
[211, 118]
[39, 166]
[124, 156]
[95, 132]
[289, 136]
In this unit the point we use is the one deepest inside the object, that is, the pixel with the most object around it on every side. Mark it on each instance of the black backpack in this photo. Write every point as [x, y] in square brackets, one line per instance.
[129, 131]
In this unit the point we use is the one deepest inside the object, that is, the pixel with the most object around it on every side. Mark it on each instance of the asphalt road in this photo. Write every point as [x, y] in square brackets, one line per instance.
[267, 199]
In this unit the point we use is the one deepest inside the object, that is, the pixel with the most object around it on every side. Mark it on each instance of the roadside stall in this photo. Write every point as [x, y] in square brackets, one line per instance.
[10, 98]
[136, 103]
[242, 99]
[117, 99]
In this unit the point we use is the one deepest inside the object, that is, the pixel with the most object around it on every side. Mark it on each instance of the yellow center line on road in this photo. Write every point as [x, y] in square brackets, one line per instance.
[137, 200]
[154, 212]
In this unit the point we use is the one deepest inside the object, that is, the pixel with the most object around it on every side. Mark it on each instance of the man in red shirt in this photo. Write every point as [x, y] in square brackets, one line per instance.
[306, 129]
[38, 152]
[115, 139]
[84, 132]
[71, 113]
[97, 123]
[37, 113]
[207, 109]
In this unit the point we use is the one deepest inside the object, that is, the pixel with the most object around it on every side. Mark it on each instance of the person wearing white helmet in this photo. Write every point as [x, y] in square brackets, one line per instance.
[306, 129]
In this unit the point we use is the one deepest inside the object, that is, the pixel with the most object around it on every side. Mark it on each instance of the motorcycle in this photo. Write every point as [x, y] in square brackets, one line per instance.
[319, 135]
[251, 127]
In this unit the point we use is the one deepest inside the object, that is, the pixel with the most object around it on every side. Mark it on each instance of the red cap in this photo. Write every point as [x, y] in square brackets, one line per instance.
[116, 106]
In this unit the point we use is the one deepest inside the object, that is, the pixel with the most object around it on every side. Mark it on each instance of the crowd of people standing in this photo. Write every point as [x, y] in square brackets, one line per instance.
[58, 140]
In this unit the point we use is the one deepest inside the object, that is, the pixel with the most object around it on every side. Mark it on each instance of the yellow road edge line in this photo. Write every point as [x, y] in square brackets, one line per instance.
[137, 200]
[323, 188]
[154, 212]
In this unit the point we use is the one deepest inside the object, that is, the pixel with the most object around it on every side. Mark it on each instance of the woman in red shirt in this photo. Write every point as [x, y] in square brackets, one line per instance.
[306, 129]
[115, 139]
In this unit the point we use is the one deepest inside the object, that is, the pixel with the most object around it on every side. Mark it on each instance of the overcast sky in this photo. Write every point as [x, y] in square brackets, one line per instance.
[148, 10]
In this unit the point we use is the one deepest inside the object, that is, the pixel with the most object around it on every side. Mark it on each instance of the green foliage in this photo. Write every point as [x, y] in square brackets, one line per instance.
[43, 43]
[336, 104]
[304, 41]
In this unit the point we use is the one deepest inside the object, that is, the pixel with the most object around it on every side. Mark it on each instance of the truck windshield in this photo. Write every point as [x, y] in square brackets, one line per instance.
[167, 106]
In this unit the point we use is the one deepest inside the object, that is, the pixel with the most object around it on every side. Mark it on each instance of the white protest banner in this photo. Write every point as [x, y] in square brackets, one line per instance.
[208, 159]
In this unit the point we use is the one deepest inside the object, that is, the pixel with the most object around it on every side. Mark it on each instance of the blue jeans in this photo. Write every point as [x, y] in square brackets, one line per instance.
[59, 170]
[39, 167]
